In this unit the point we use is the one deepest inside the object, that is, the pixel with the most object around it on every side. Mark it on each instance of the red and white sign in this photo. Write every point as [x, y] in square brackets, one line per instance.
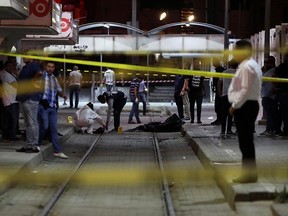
[66, 24]
[39, 8]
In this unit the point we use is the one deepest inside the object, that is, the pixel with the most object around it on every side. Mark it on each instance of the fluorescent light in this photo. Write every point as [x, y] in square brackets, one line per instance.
[163, 15]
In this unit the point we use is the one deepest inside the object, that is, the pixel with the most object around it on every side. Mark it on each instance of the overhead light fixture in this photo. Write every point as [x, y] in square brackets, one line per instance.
[191, 18]
[106, 26]
[163, 15]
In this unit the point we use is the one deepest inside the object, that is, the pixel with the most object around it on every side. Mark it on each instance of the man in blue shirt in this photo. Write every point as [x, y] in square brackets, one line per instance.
[28, 96]
[47, 111]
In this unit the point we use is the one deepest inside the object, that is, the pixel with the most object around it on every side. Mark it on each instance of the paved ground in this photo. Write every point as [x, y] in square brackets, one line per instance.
[218, 154]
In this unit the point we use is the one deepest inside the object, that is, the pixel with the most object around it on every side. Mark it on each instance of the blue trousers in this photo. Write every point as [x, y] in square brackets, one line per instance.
[47, 119]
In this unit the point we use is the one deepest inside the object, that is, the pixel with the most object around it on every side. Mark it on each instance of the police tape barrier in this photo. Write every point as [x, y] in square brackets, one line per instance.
[125, 175]
[140, 68]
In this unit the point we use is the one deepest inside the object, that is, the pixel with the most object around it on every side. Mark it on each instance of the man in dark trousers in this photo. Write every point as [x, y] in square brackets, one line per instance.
[217, 104]
[282, 94]
[179, 82]
[116, 100]
[243, 94]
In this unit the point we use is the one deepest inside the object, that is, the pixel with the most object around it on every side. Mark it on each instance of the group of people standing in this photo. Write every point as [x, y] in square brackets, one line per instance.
[238, 98]
[35, 89]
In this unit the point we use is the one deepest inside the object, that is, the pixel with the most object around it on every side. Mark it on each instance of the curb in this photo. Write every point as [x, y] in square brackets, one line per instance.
[46, 150]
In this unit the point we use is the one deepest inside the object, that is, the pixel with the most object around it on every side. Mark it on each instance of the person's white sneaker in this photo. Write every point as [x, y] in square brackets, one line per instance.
[61, 155]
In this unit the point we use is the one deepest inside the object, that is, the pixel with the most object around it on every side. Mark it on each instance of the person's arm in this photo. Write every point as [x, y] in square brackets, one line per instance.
[203, 86]
[81, 79]
[185, 87]
[59, 90]
[240, 88]
[99, 120]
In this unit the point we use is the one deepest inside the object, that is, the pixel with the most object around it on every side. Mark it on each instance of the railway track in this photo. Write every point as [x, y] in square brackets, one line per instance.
[116, 158]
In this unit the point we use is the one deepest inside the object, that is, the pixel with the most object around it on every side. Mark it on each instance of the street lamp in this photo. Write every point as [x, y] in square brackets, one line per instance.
[191, 18]
[163, 15]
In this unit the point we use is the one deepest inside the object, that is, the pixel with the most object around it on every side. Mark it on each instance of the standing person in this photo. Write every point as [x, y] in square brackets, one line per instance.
[196, 93]
[87, 117]
[223, 84]
[269, 102]
[11, 106]
[1, 101]
[244, 93]
[47, 112]
[116, 101]
[282, 94]
[217, 103]
[75, 82]
[133, 93]
[179, 82]
[109, 79]
[142, 96]
[29, 79]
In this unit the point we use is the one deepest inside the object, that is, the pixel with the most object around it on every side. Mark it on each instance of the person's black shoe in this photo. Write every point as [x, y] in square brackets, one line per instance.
[139, 122]
[199, 122]
[192, 121]
[246, 179]
[131, 122]
[23, 149]
[33, 149]
[216, 122]
[59, 134]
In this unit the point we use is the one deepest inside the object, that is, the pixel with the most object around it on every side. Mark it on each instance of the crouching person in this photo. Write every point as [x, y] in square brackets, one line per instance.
[116, 100]
[47, 111]
[86, 117]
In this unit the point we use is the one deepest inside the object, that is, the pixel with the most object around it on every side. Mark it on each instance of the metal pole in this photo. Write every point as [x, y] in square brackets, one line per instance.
[148, 92]
[64, 76]
[100, 88]
[134, 14]
[226, 25]
[267, 27]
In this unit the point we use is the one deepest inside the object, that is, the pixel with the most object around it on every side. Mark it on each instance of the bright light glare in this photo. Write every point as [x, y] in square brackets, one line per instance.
[191, 18]
[163, 15]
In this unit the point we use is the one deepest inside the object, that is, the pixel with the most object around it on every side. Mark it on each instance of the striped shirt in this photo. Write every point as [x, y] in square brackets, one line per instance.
[51, 88]
[134, 84]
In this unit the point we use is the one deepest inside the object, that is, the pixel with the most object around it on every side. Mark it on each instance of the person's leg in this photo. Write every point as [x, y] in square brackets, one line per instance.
[71, 96]
[218, 110]
[179, 104]
[267, 109]
[143, 99]
[225, 114]
[53, 129]
[77, 91]
[13, 121]
[43, 122]
[245, 118]
[284, 112]
[199, 109]
[133, 108]
[137, 112]
[30, 108]
[6, 120]
[192, 107]
[117, 114]
[186, 103]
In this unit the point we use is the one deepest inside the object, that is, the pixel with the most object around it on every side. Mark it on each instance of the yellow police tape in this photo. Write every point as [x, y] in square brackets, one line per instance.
[126, 175]
[139, 68]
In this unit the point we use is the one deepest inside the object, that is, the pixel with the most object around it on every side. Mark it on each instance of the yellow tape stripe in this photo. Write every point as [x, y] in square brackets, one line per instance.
[139, 68]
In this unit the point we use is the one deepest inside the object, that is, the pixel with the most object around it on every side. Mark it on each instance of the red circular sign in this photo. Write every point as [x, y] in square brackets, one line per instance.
[65, 25]
[39, 8]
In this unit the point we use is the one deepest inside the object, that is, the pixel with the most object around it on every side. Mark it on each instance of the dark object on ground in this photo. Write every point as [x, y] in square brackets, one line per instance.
[99, 130]
[171, 124]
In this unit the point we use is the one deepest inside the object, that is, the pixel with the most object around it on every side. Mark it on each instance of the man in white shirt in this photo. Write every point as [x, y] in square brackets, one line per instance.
[109, 77]
[243, 94]
[75, 81]
[11, 106]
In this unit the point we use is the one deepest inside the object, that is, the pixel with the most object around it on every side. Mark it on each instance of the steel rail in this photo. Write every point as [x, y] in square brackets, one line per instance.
[52, 202]
[165, 186]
